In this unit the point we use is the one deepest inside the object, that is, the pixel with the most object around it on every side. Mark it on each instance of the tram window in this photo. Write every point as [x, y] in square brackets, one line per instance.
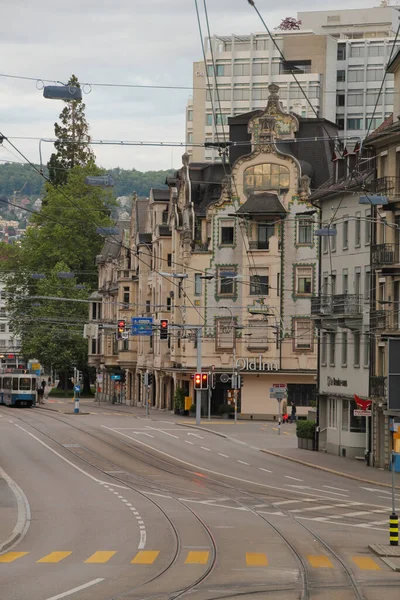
[15, 383]
[7, 383]
[25, 383]
[34, 380]
[1, 383]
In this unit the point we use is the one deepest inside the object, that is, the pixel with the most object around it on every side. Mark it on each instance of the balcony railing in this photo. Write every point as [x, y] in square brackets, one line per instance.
[258, 245]
[347, 305]
[200, 247]
[321, 306]
[385, 185]
[385, 320]
[378, 387]
[384, 254]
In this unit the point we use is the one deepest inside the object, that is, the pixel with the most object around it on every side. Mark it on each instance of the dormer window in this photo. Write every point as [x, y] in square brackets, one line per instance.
[266, 177]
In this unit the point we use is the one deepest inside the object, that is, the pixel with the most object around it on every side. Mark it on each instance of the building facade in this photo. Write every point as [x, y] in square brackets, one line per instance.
[10, 345]
[338, 57]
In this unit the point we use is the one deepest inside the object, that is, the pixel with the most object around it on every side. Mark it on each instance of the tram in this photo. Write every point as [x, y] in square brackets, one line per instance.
[18, 389]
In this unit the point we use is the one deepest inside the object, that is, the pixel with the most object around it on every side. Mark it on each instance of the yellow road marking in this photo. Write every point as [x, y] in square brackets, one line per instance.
[100, 557]
[319, 562]
[197, 558]
[54, 557]
[145, 557]
[286, 433]
[11, 556]
[366, 563]
[256, 559]
[275, 428]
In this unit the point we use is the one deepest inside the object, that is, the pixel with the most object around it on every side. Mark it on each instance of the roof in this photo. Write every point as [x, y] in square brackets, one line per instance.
[385, 128]
[345, 185]
[112, 244]
[164, 230]
[145, 238]
[262, 204]
[160, 194]
[142, 212]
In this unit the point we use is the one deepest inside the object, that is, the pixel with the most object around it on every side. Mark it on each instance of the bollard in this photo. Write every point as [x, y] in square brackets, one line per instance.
[76, 408]
[394, 529]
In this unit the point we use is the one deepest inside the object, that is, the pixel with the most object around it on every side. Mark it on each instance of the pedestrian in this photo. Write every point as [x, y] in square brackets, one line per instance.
[49, 381]
[284, 412]
[40, 394]
[43, 384]
[293, 413]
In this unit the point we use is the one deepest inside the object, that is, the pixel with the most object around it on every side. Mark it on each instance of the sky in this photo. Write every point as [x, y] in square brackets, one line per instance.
[146, 42]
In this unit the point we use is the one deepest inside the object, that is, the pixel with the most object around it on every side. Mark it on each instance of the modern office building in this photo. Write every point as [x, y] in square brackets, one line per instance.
[339, 66]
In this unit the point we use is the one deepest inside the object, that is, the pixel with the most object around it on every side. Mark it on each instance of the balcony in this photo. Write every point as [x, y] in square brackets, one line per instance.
[388, 186]
[385, 320]
[258, 245]
[321, 306]
[385, 255]
[199, 247]
[378, 387]
[347, 305]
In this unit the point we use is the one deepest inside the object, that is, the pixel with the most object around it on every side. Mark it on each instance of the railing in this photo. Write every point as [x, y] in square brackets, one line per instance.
[297, 69]
[200, 247]
[378, 387]
[386, 320]
[258, 245]
[321, 305]
[347, 305]
[384, 254]
[387, 185]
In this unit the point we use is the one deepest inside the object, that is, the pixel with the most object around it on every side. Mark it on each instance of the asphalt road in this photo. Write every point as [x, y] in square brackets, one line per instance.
[134, 508]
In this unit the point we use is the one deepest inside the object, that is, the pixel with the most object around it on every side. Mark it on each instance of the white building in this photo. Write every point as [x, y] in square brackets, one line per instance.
[339, 65]
[9, 345]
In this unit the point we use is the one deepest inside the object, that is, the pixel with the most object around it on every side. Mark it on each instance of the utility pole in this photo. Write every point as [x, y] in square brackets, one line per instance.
[198, 392]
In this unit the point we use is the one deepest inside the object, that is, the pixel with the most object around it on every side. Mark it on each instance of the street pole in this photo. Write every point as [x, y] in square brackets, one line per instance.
[198, 392]
[279, 416]
[210, 376]
[147, 391]
[76, 402]
[394, 519]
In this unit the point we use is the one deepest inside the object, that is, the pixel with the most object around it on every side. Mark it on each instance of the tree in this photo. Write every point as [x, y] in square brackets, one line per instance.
[289, 23]
[72, 145]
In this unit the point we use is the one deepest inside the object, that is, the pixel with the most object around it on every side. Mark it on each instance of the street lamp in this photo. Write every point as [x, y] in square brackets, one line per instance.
[62, 92]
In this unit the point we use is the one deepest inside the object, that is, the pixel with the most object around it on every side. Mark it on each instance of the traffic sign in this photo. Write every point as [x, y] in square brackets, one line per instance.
[77, 388]
[142, 326]
[362, 413]
[116, 377]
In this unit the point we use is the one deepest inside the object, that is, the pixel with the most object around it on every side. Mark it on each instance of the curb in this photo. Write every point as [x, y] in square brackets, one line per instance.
[327, 470]
[47, 408]
[226, 437]
[24, 513]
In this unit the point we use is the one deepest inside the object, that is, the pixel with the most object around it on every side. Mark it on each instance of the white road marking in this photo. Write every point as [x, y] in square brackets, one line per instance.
[203, 448]
[162, 431]
[294, 478]
[77, 589]
[243, 463]
[23, 513]
[325, 519]
[224, 455]
[265, 470]
[305, 487]
[142, 543]
[368, 489]
[315, 508]
[196, 435]
[187, 442]
[335, 488]
[282, 502]
[154, 494]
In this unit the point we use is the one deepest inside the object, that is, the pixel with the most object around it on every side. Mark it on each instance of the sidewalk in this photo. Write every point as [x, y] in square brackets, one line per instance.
[8, 513]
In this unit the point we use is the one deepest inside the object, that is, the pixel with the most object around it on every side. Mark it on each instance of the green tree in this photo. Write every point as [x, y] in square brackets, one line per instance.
[72, 145]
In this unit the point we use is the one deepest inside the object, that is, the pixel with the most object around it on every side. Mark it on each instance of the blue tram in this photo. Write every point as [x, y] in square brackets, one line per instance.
[18, 389]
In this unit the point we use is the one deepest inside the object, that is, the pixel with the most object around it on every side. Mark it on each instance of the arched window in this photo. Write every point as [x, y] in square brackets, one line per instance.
[266, 177]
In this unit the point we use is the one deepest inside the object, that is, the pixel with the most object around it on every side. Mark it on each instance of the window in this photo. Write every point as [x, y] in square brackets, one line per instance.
[278, 284]
[367, 283]
[304, 231]
[341, 75]
[169, 260]
[190, 115]
[241, 69]
[355, 99]
[344, 348]
[147, 306]
[225, 334]
[341, 52]
[389, 97]
[357, 281]
[324, 346]
[260, 68]
[259, 285]
[340, 99]
[366, 350]
[325, 244]
[376, 50]
[357, 424]
[220, 70]
[367, 227]
[190, 138]
[241, 93]
[222, 119]
[356, 75]
[374, 74]
[304, 280]
[226, 281]
[94, 311]
[126, 297]
[345, 244]
[169, 303]
[209, 119]
[345, 282]
[332, 413]
[356, 338]
[265, 177]
[332, 348]
[303, 334]
[2, 327]
[372, 124]
[260, 93]
[372, 98]
[227, 232]
[357, 236]
[264, 232]
[357, 51]
[355, 123]
[197, 284]
[340, 121]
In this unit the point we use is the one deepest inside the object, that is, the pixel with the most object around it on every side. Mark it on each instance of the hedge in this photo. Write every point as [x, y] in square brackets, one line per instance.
[305, 429]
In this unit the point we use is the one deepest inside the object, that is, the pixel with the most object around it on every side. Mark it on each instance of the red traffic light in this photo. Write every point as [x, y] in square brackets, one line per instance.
[197, 381]
[163, 329]
[121, 325]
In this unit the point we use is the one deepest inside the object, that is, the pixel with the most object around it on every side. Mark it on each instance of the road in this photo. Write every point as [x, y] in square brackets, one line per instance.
[134, 508]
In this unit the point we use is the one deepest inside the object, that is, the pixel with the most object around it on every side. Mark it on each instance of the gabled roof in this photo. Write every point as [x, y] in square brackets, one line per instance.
[262, 204]
[348, 184]
[160, 194]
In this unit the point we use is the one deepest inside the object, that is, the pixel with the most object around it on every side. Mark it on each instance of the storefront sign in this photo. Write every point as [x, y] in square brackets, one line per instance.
[337, 382]
[255, 364]
[361, 413]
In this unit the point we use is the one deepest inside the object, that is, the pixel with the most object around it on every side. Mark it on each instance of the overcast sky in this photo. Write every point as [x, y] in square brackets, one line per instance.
[121, 42]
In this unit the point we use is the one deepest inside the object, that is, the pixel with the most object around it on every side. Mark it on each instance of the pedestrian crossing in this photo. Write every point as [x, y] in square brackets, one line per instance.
[192, 557]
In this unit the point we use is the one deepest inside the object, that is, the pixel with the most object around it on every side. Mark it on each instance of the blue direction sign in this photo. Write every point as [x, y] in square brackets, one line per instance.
[116, 377]
[142, 326]
[77, 388]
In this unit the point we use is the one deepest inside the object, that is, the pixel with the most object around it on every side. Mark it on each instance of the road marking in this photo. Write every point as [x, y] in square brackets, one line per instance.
[265, 470]
[11, 556]
[146, 557]
[305, 487]
[366, 563]
[224, 455]
[314, 508]
[335, 488]
[100, 557]
[196, 435]
[243, 463]
[197, 558]
[187, 442]
[203, 448]
[54, 557]
[77, 589]
[275, 428]
[319, 562]
[256, 559]
[143, 538]
[162, 431]
[282, 502]
[294, 478]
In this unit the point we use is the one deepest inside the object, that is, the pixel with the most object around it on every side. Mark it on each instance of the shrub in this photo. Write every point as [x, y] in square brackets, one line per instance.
[192, 408]
[305, 429]
[179, 398]
[225, 409]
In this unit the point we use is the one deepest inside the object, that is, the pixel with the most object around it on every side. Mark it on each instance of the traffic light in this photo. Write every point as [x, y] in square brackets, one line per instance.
[204, 381]
[120, 329]
[149, 379]
[164, 329]
[197, 381]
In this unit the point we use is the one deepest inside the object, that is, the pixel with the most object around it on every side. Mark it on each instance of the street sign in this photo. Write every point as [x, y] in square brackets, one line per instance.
[224, 377]
[124, 335]
[37, 372]
[142, 326]
[116, 377]
[362, 413]
[77, 388]
[99, 377]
